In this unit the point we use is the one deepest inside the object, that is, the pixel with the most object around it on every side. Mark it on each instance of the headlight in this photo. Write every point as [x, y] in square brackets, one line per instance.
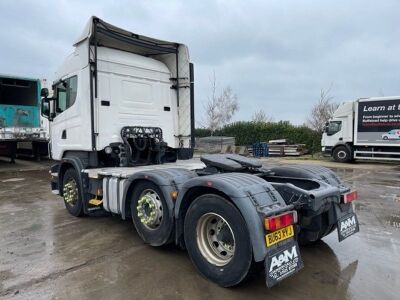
[108, 150]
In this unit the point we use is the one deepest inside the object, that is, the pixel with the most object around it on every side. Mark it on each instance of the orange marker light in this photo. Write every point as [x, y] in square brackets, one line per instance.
[174, 195]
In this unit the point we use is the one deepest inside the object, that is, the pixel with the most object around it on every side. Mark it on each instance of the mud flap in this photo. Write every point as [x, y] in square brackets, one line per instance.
[282, 262]
[347, 226]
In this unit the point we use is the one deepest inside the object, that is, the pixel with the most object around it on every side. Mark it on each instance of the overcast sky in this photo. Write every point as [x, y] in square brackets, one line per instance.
[276, 55]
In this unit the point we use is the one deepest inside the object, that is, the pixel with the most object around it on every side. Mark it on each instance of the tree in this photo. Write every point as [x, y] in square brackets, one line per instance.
[322, 111]
[220, 108]
[261, 117]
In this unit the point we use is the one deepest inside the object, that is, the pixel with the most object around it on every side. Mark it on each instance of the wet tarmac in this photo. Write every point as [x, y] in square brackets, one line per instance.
[47, 254]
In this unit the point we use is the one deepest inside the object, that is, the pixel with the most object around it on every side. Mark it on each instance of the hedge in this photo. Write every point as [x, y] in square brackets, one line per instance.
[247, 133]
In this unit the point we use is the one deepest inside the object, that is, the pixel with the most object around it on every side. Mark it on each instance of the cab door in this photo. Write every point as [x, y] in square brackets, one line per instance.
[58, 121]
[63, 127]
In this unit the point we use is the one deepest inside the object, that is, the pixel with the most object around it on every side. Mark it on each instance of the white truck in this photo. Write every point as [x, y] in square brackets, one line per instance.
[122, 119]
[368, 128]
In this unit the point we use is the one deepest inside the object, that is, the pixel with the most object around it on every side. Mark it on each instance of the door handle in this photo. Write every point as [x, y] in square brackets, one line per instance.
[64, 135]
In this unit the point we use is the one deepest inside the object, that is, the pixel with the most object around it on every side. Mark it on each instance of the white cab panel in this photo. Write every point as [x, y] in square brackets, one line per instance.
[74, 121]
[138, 90]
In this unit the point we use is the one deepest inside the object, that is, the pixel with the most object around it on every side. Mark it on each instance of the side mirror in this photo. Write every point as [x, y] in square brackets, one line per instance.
[44, 92]
[326, 127]
[47, 108]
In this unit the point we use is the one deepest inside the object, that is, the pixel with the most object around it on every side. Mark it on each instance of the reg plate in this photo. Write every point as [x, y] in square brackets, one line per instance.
[279, 235]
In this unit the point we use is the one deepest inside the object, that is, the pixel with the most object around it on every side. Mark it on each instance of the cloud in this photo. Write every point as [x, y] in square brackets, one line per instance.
[274, 54]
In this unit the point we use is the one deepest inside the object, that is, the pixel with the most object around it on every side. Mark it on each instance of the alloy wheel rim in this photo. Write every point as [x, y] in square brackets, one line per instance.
[149, 209]
[215, 239]
[70, 192]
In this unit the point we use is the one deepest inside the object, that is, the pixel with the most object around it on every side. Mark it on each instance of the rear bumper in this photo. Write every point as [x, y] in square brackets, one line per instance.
[23, 134]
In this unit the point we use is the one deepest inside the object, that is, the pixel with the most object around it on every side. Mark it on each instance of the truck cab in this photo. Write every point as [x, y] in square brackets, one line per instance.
[338, 133]
[116, 82]
[19, 113]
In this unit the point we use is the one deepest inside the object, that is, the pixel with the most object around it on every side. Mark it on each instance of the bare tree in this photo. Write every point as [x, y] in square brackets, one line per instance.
[322, 111]
[261, 117]
[220, 108]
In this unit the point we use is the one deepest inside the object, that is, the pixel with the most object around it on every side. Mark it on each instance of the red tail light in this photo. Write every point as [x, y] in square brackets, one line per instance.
[349, 197]
[280, 221]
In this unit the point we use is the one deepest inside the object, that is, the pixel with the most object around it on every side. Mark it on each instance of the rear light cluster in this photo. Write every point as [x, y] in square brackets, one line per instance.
[349, 197]
[280, 221]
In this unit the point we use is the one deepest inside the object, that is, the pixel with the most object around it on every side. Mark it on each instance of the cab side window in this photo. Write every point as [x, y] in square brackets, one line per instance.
[333, 127]
[66, 93]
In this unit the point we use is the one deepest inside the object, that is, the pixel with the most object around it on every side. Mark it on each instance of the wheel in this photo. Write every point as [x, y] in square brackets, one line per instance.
[385, 138]
[342, 154]
[217, 240]
[72, 193]
[150, 214]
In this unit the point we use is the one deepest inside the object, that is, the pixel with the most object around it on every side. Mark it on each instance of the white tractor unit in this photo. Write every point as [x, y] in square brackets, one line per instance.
[122, 124]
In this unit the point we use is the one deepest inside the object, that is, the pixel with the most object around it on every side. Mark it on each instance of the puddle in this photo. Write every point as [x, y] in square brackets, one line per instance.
[393, 220]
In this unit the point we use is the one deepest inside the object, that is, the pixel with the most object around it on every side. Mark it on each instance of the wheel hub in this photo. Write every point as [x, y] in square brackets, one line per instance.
[342, 154]
[149, 209]
[70, 192]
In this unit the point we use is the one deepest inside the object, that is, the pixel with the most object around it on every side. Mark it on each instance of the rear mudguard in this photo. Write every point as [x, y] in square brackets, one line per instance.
[254, 197]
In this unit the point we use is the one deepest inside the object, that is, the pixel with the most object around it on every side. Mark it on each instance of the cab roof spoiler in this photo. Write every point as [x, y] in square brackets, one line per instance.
[104, 34]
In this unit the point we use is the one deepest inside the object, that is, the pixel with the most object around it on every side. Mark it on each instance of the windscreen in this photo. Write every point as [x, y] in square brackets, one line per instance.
[18, 92]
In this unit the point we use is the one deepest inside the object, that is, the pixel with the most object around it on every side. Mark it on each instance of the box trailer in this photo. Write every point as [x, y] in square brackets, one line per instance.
[122, 119]
[368, 128]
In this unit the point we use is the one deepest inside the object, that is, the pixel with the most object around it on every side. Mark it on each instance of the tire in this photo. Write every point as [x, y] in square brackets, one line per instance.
[342, 154]
[385, 138]
[72, 193]
[159, 231]
[225, 270]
